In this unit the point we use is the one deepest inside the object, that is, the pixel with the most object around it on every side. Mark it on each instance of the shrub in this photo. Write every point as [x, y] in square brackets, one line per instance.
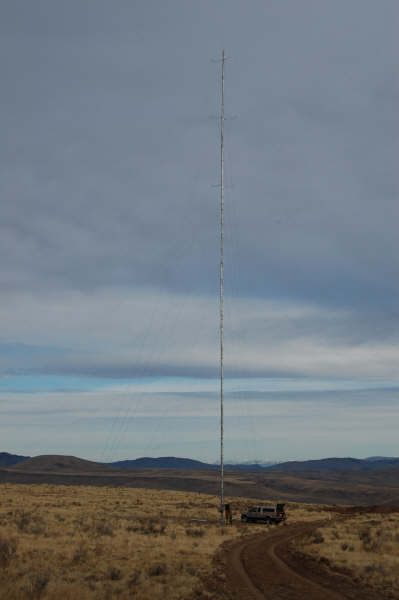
[114, 574]
[29, 522]
[8, 549]
[134, 579]
[80, 555]
[317, 537]
[38, 584]
[370, 546]
[364, 535]
[195, 532]
[374, 569]
[157, 570]
[148, 526]
[37, 527]
[101, 527]
[22, 519]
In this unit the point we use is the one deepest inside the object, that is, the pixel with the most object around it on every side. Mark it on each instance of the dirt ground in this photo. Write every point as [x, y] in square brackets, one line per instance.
[268, 566]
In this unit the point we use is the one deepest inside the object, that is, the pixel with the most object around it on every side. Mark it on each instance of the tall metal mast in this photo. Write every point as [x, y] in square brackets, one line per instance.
[221, 298]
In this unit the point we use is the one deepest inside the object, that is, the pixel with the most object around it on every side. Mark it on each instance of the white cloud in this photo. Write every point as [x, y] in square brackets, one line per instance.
[150, 332]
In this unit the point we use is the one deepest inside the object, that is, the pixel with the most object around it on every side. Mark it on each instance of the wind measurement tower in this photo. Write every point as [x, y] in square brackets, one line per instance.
[221, 297]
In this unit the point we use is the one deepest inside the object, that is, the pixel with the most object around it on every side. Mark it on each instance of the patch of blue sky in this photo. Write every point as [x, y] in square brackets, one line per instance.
[39, 383]
[250, 385]
[51, 383]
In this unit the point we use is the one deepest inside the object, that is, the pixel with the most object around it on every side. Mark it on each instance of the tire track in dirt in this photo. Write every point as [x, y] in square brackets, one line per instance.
[254, 571]
[257, 568]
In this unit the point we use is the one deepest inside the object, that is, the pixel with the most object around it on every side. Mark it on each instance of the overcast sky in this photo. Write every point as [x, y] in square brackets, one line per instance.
[109, 226]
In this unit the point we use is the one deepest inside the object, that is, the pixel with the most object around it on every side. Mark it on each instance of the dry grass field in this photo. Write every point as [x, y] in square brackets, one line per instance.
[81, 542]
[364, 547]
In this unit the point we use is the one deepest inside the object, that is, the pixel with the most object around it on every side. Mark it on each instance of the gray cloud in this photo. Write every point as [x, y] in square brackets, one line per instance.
[108, 157]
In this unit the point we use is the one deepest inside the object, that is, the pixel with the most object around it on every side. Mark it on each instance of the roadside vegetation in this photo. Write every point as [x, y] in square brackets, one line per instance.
[364, 547]
[82, 542]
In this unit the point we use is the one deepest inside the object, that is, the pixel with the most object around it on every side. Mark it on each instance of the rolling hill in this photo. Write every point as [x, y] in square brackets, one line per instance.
[163, 462]
[7, 459]
[56, 464]
[335, 464]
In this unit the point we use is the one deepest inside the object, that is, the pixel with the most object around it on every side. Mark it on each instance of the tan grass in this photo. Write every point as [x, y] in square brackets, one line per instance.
[365, 547]
[81, 542]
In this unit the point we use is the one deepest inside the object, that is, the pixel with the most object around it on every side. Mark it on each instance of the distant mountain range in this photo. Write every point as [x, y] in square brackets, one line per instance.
[172, 462]
[327, 481]
[57, 463]
[164, 462]
[321, 465]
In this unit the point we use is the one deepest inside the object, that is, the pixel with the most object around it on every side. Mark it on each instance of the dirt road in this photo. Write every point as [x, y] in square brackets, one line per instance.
[263, 567]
